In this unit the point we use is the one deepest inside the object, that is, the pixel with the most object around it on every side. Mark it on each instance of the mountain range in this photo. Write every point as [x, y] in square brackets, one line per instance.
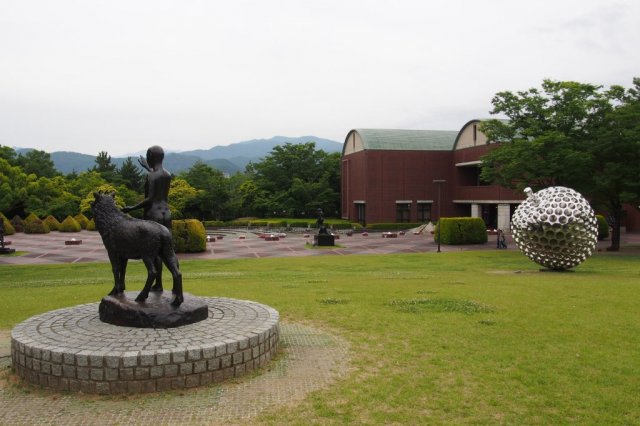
[228, 159]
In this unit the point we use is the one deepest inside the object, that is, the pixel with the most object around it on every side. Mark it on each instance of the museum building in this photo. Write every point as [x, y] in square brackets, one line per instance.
[391, 176]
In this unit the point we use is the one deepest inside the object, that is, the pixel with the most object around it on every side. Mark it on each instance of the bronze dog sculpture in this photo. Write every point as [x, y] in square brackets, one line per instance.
[127, 238]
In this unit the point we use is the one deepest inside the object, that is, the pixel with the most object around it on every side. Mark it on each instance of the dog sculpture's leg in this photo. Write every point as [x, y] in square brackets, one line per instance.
[123, 272]
[158, 285]
[172, 264]
[151, 275]
[115, 268]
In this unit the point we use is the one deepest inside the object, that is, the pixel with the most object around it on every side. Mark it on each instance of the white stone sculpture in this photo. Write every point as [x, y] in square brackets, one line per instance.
[555, 227]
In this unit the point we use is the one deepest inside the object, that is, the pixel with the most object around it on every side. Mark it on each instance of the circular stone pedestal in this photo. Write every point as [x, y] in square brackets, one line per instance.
[71, 349]
[155, 312]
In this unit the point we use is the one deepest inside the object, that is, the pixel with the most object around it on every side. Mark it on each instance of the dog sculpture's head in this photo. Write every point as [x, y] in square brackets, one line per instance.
[102, 200]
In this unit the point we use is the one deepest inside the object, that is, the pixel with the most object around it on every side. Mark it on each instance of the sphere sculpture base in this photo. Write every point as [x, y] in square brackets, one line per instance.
[155, 312]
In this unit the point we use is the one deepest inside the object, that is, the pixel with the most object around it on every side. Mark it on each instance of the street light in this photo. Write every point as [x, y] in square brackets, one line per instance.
[439, 182]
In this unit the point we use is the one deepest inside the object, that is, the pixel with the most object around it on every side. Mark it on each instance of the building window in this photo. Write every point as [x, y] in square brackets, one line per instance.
[424, 212]
[403, 212]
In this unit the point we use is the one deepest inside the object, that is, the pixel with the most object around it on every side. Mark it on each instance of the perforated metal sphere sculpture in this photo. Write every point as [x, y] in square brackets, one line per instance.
[555, 227]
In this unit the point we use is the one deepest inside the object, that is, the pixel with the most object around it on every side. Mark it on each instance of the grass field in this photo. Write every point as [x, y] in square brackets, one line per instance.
[452, 337]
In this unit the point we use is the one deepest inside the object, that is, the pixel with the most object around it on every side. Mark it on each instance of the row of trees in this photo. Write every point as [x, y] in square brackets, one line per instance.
[293, 180]
[571, 134]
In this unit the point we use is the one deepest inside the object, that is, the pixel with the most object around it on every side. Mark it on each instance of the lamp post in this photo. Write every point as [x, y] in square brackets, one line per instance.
[439, 182]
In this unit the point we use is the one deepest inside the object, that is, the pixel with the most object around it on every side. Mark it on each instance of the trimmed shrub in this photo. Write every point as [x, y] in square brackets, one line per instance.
[52, 223]
[35, 226]
[339, 225]
[242, 221]
[393, 226]
[30, 218]
[8, 227]
[82, 220]
[603, 227]
[189, 236]
[69, 225]
[18, 223]
[276, 224]
[461, 230]
[91, 225]
[356, 226]
[213, 223]
[300, 223]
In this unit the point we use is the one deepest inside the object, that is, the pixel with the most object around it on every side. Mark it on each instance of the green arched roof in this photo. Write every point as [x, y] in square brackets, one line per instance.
[406, 140]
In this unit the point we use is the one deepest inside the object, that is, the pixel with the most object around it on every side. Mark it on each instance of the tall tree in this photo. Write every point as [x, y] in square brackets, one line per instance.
[616, 157]
[213, 190]
[556, 136]
[296, 179]
[105, 167]
[37, 162]
[13, 188]
[8, 154]
[131, 175]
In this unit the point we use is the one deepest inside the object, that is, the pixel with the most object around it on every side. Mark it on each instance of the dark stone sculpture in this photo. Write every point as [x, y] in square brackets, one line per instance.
[324, 237]
[127, 238]
[156, 195]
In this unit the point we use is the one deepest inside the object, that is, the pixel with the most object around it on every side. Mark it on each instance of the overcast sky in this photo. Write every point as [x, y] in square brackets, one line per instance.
[119, 76]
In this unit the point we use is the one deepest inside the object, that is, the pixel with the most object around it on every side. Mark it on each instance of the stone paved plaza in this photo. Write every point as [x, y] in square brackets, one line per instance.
[51, 248]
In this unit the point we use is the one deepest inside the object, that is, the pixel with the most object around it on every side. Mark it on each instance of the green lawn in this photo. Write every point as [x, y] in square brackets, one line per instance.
[452, 337]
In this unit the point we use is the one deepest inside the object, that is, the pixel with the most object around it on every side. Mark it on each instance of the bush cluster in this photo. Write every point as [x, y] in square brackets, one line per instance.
[8, 227]
[52, 223]
[214, 223]
[18, 223]
[69, 225]
[35, 226]
[300, 223]
[461, 230]
[393, 226]
[82, 220]
[603, 227]
[189, 236]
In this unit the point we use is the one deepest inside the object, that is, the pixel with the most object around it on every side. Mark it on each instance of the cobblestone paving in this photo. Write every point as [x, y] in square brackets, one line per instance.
[71, 349]
[310, 359]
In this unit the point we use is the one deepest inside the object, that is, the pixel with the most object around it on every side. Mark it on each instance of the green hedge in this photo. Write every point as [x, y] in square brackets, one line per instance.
[393, 226]
[300, 223]
[18, 223]
[91, 225]
[213, 223]
[52, 223]
[603, 227]
[8, 227]
[82, 220]
[461, 230]
[35, 226]
[70, 225]
[31, 217]
[189, 236]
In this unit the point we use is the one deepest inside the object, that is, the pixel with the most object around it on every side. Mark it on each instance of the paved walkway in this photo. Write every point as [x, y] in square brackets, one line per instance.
[51, 248]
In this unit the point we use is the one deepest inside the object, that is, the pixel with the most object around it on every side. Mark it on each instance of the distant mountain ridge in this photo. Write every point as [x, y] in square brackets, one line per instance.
[228, 159]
